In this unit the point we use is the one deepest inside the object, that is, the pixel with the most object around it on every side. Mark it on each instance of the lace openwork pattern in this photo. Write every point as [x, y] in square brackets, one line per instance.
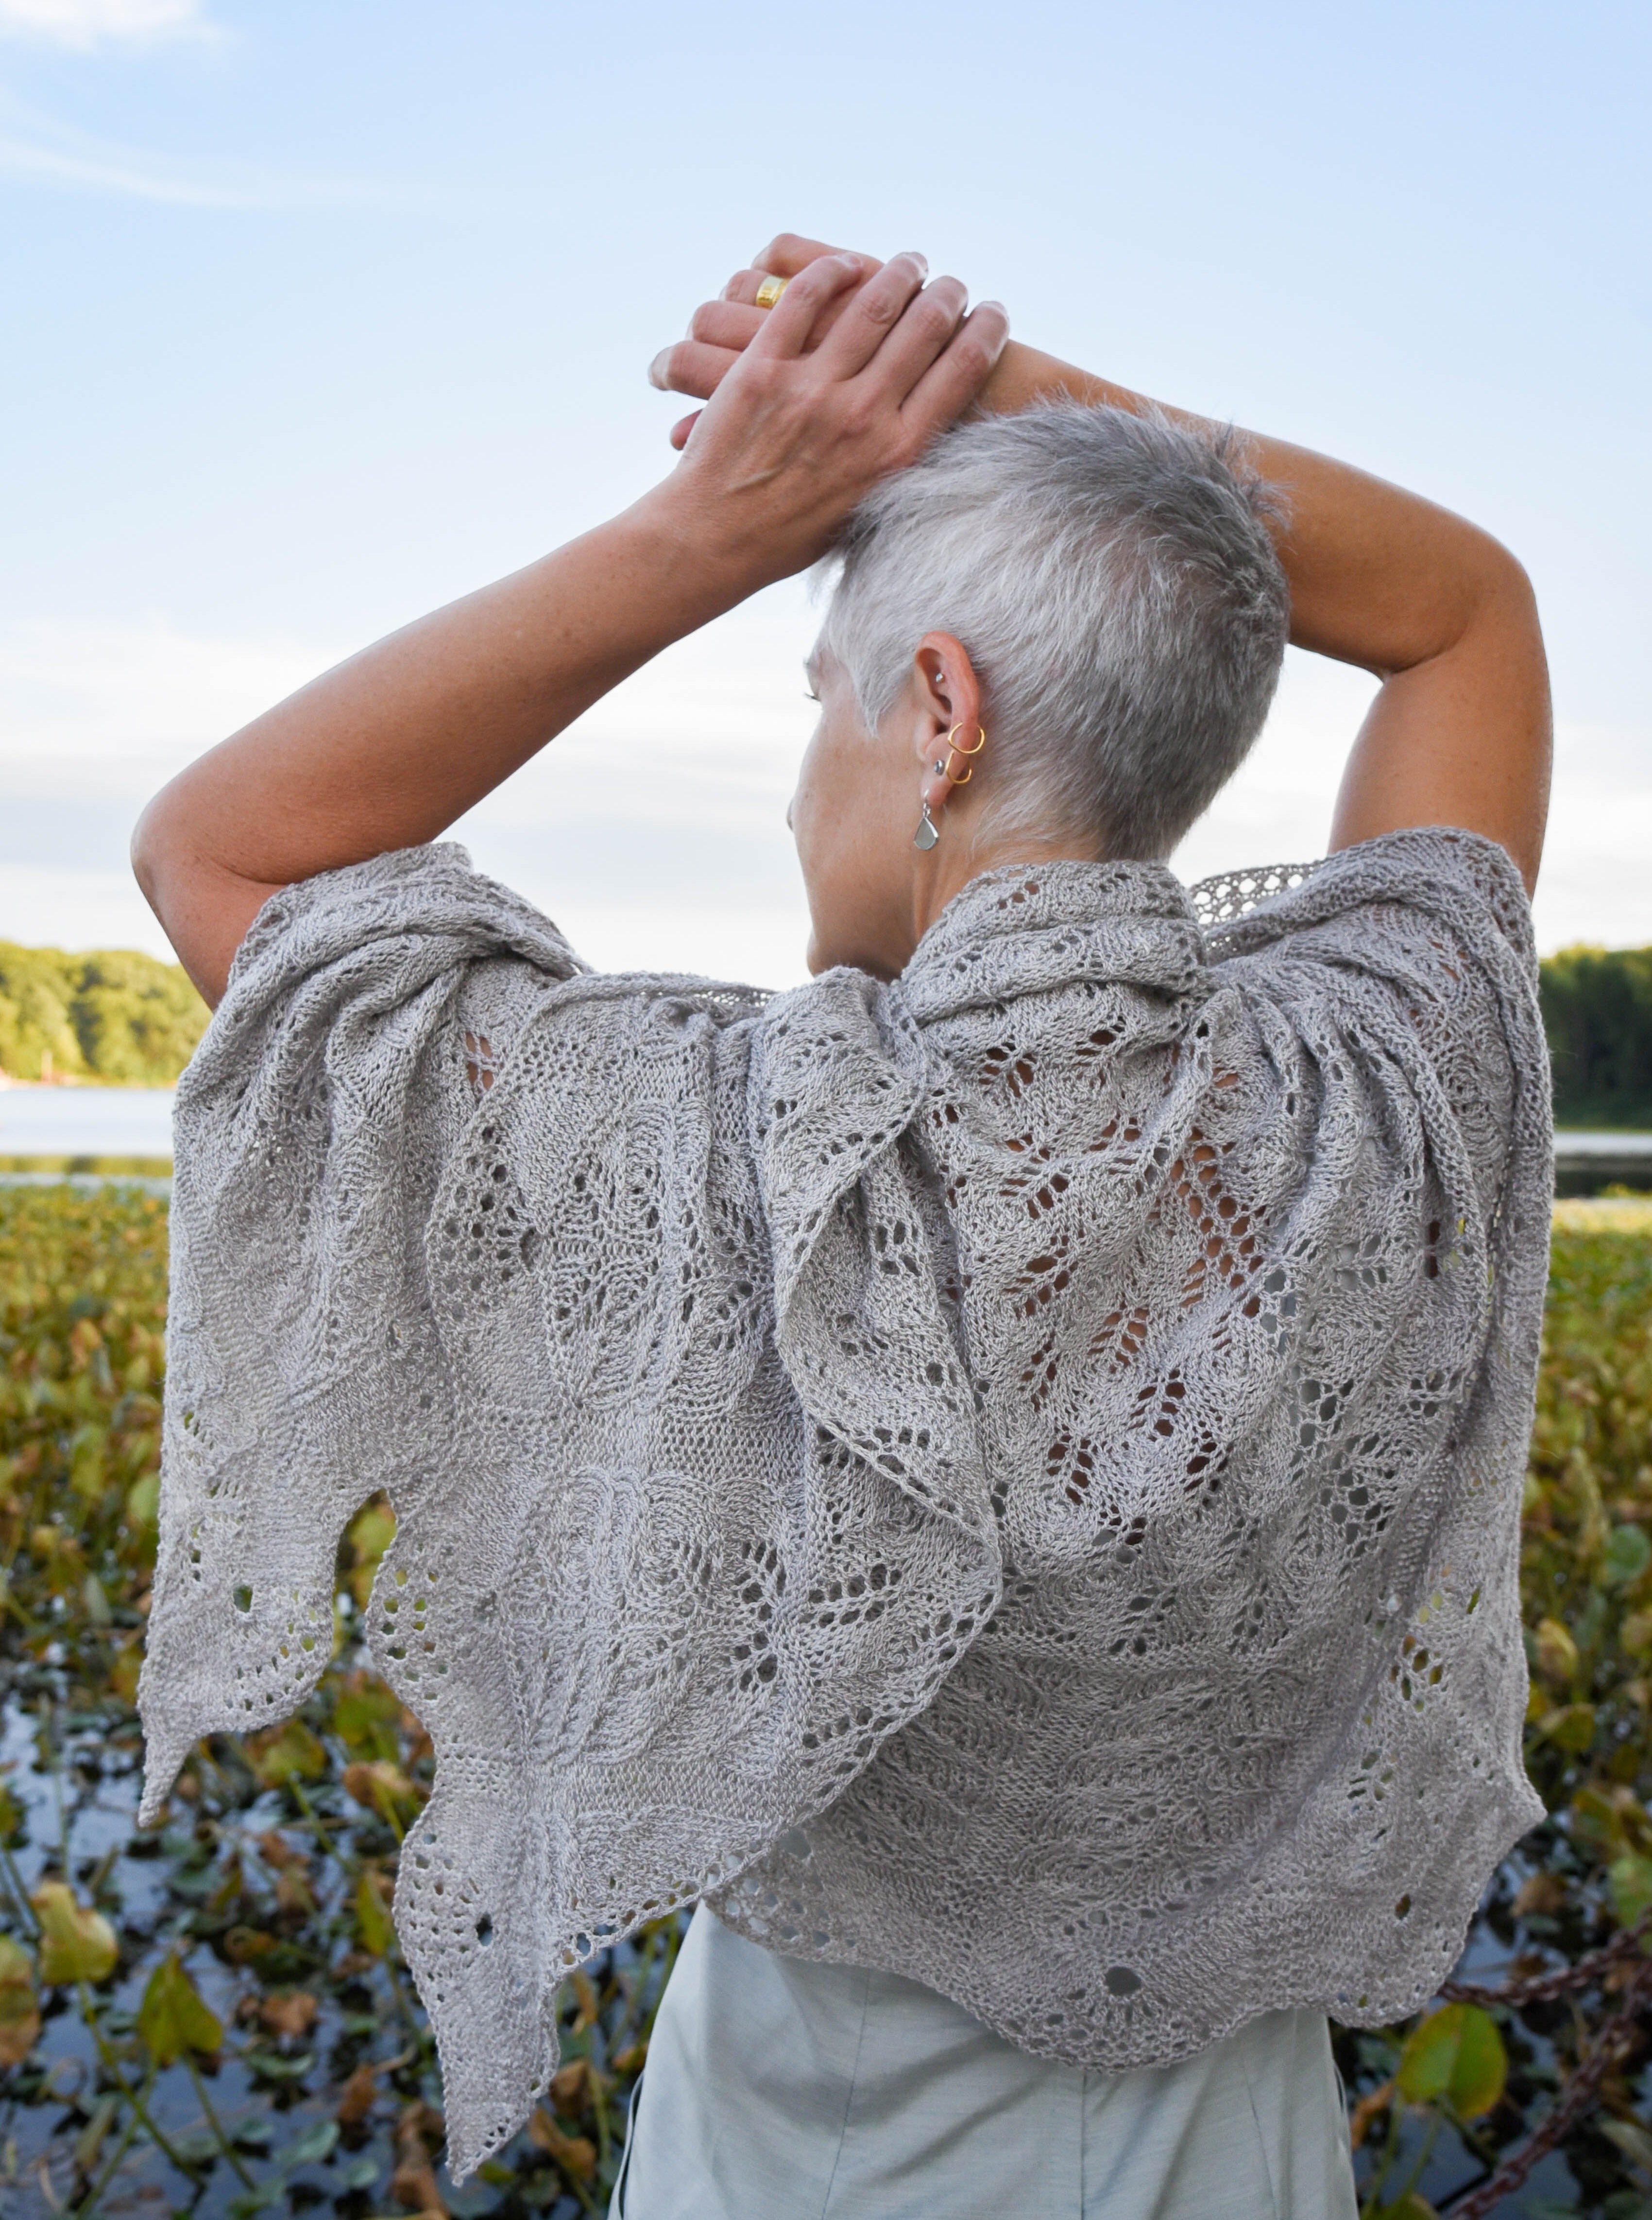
[1010, 1477]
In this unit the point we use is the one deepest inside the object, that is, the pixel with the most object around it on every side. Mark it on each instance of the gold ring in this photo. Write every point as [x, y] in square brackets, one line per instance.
[770, 290]
[954, 777]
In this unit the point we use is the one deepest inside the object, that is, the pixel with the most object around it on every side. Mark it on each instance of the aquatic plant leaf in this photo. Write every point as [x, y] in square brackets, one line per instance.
[76, 1945]
[1571, 1728]
[1556, 1653]
[369, 1534]
[173, 2018]
[1631, 1881]
[379, 1785]
[366, 1718]
[312, 2147]
[284, 1753]
[1455, 2055]
[374, 1928]
[20, 2017]
[123, 1673]
[1625, 1554]
[290, 2015]
[575, 2154]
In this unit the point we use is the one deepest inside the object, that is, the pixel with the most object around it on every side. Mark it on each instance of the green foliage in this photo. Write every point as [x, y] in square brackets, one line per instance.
[1456, 2056]
[1587, 1586]
[214, 2015]
[172, 2019]
[114, 1015]
[20, 2017]
[1597, 1005]
[246, 1943]
[1586, 1560]
[76, 1943]
[373, 1929]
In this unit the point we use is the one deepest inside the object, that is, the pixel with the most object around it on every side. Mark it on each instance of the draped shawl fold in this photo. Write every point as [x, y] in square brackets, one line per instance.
[1010, 1476]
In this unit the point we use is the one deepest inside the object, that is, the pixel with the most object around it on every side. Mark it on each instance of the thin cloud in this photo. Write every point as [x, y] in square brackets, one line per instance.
[47, 166]
[84, 25]
[86, 691]
[39, 149]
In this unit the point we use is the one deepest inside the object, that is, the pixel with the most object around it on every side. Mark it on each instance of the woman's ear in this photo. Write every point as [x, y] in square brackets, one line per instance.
[948, 693]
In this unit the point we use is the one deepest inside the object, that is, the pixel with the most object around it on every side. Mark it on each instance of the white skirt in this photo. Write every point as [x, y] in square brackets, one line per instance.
[776, 2089]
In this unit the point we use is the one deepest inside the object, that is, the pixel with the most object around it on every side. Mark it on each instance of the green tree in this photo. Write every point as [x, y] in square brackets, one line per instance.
[113, 1016]
[37, 1036]
[1597, 1006]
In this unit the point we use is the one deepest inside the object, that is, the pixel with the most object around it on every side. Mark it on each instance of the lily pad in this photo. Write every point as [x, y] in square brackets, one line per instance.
[1455, 2056]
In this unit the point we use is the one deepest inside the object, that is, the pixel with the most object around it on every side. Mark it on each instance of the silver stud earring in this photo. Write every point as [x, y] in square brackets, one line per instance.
[928, 831]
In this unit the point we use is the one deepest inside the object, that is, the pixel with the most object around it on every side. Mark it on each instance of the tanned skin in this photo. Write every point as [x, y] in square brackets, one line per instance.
[808, 405]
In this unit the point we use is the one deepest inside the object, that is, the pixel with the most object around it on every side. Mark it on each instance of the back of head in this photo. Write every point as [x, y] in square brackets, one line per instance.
[1113, 578]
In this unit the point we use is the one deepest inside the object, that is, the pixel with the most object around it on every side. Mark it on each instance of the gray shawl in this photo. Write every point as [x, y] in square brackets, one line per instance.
[1011, 1476]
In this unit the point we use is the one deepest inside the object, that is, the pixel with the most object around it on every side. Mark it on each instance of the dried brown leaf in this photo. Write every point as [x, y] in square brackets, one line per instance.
[291, 2017]
[575, 2154]
[358, 2096]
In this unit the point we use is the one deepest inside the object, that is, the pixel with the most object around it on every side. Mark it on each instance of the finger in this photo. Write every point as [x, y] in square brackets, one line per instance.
[788, 325]
[957, 374]
[867, 320]
[784, 255]
[692, 368]
[746, 284]
[682, 426]
[724, 324]
[926, 327]
[743, 285]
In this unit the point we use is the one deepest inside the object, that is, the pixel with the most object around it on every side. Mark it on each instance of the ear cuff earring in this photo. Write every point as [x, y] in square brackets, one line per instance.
[945, 767]
[962, 777]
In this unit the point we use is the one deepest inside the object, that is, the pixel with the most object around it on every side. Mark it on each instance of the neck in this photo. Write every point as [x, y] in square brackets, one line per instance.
[950, 868]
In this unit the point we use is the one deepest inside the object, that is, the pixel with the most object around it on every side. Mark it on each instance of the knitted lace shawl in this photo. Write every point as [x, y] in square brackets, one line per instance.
[1010, 1476]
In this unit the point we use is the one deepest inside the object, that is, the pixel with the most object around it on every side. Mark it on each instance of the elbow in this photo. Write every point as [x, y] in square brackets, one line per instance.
[144, 854]
[1503, 583]
[152, 852]
[195, 906]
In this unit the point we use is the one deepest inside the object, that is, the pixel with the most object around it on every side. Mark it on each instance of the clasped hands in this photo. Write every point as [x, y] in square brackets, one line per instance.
[811, 402]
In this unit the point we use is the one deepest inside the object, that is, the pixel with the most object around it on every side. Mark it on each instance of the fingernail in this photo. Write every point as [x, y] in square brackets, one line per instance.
[922, 260]
[655, 376]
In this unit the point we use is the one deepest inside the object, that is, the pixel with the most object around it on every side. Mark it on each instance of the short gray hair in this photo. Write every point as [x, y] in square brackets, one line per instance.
[1115, 581]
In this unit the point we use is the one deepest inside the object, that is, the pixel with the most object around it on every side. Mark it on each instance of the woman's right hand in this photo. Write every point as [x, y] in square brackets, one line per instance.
[388, 749]
[846, 380]
[720, 331]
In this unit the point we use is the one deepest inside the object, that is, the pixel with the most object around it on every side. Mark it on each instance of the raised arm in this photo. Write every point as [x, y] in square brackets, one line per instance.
[1460, 733]
[386, 749]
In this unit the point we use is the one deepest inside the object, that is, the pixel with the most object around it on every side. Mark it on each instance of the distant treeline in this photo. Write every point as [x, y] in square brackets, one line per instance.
[1597, 1014]
[113, 1016]
[129, 1020]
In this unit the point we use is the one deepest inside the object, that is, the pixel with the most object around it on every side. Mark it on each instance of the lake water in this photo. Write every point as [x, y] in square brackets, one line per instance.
[85, 1121]
[137, 1121]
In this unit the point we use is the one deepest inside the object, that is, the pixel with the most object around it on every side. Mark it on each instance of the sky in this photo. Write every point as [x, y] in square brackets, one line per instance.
[313, 317]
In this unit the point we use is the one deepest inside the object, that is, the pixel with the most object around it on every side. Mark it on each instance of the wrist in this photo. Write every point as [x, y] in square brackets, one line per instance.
[675, 533]
[1023, 376]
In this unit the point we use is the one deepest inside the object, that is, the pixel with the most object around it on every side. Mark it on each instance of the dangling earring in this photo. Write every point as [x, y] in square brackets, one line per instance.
[928, 831]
